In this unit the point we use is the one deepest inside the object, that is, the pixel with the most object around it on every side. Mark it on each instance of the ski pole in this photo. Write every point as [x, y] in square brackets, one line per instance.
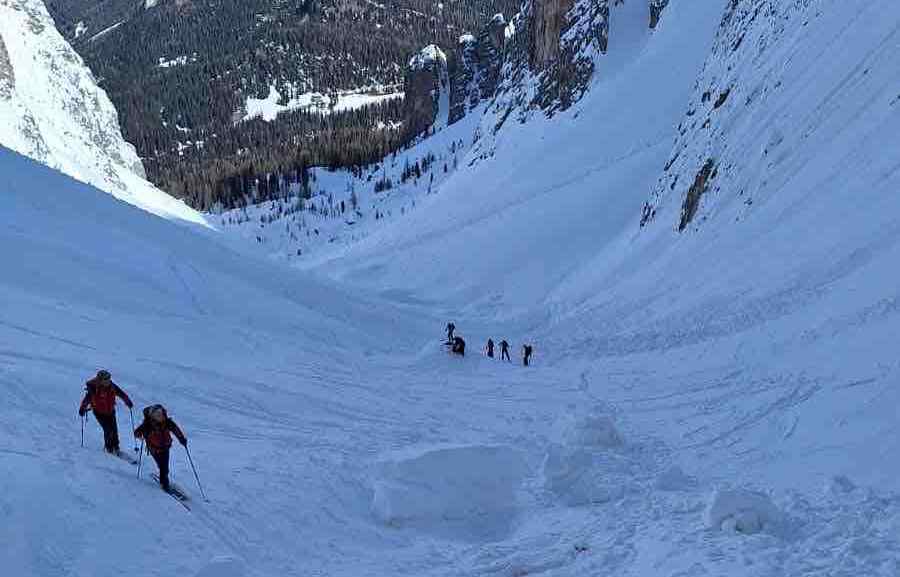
[196, 476]
[82, 431]
[140, 459]
[131, 412]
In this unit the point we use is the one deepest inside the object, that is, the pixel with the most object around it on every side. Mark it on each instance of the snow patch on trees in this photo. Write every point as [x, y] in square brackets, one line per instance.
[271, 106]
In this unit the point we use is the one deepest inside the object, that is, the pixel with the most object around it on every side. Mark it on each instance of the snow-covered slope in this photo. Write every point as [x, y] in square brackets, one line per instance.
[260, 365]
[715, 401]
[757, 343]
[783, 286]
[52, 110]
[535, 200]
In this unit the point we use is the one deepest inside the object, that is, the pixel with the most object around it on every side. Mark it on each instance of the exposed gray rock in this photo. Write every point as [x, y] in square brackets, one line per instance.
[564, 38]
[547, 21]
[479, 64]
[463, 95]
[704, 172]
[426, 78]
[692, 198]
[491, 43]
[7, 75]
[656, 9]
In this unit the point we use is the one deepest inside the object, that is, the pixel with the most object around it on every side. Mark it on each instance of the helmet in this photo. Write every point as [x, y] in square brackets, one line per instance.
[103, 375]
[158, 414]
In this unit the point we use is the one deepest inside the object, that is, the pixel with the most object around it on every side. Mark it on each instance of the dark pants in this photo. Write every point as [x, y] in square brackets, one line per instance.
[161, 456]
[110, 431]
[491, 353]
[504, 354]
[525, 360]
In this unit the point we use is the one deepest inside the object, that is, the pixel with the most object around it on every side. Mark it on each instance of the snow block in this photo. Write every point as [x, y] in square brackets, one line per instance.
[466, 492]
[595, 432]
[581, 477]
[587, 466]
[742, 511]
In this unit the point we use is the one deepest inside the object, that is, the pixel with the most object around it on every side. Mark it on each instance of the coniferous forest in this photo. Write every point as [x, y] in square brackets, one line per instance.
[181, 71]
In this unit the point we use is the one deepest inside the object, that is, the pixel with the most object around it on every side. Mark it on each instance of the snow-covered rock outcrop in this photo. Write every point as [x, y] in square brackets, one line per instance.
[52, 110]
[656, 10]
[427, 91]
[565, 39]
[479, 61]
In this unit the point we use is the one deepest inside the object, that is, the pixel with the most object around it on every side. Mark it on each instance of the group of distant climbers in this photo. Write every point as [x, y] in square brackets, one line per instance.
[458, 345]
[156, 429]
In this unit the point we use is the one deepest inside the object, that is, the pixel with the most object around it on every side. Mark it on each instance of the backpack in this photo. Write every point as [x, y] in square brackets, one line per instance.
[103, 397]
[157, 432]
[149, 410]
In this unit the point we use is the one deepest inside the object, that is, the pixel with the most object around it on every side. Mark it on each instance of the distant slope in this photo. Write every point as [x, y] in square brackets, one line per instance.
[780, 293]
[51, 109]
[533, 201]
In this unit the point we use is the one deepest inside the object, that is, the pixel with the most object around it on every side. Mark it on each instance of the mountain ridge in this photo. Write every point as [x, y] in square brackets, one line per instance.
[51, 109]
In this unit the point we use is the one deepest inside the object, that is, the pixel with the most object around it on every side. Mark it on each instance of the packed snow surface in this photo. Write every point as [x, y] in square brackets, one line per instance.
[720, 401]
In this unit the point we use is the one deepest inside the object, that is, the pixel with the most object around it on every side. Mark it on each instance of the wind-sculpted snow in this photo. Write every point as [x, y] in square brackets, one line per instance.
[52, 110]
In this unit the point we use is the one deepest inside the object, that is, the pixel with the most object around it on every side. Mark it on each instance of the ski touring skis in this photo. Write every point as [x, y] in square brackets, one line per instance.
[175, 492]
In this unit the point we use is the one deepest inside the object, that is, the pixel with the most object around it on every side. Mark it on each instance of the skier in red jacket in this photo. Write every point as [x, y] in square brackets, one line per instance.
[157, 430]
[100, 396]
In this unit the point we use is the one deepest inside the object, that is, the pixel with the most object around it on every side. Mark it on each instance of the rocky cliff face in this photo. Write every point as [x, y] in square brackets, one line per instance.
[547, 20]
[565, 40]
[541, 59]
[479, 63]
[427, 91]
[656, 10]
[731, 141]
[463, 95]
[491, 44]
[566, 36]
[52, 110]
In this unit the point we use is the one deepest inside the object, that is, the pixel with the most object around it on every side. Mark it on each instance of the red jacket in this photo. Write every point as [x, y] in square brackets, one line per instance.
[101, 397]
[159, 435]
